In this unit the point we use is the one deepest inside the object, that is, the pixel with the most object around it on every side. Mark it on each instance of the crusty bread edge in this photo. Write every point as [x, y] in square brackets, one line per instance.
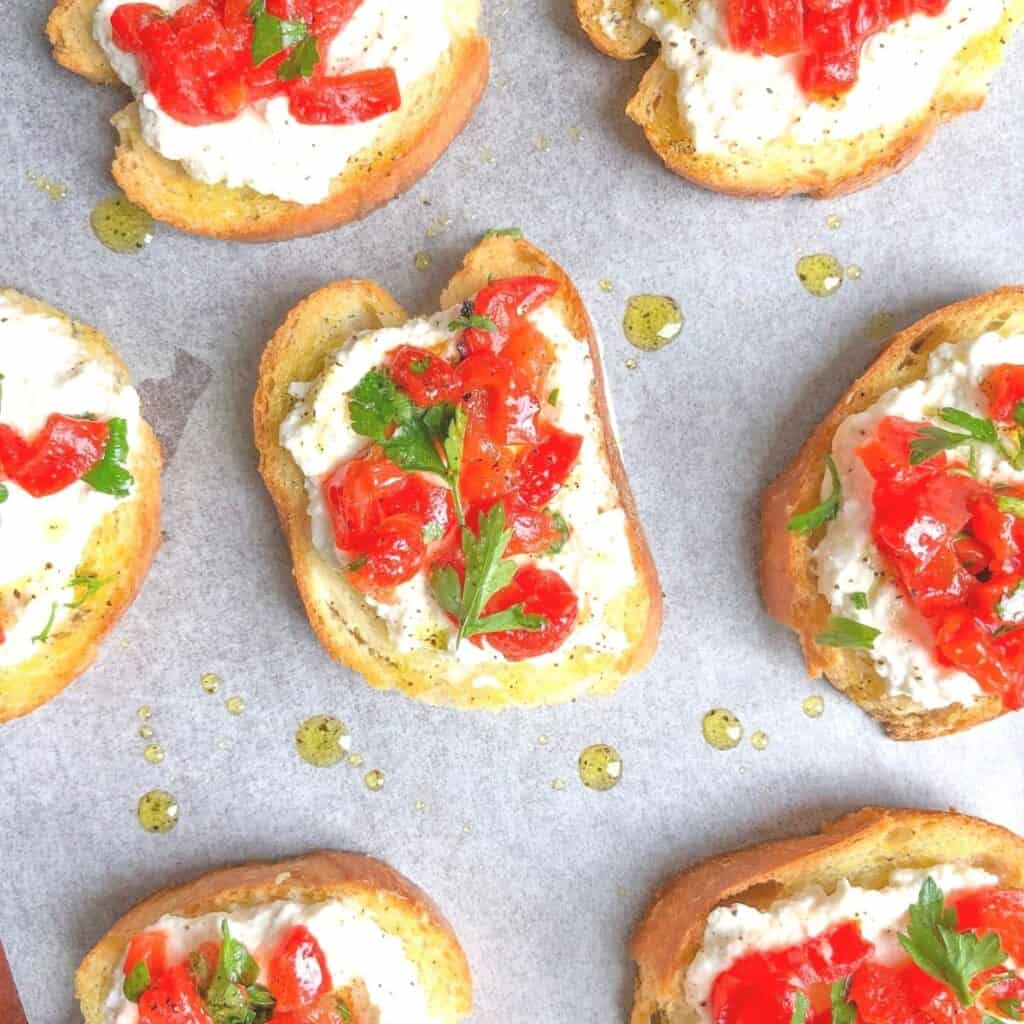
[824, 170]
[517, 683]
[863, 846]
[316, 877]
[788, 578]
[374, 176]
[123, 545]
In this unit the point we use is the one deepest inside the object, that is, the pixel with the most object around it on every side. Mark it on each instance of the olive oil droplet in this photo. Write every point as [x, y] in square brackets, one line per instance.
[630, 364]
[420, 806]
[600, 767]
[833, 222]
[422, 260]
[356, 760]
[759, 740]
[210, 682]
[881, 325]
[154, 753]
[146, 732]
[722, 729]
[821, 274]
[652, 321]
[235, 705]
[814, 706]
[50, 188]
[145, 713]
[322, 741]
[543, 740]
[606, 284]
[854, 272]
[558, 785]
[158, 811]
[374, 780]
[120, 225]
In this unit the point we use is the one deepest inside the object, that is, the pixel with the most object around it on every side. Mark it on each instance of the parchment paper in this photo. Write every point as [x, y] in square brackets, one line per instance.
[542, 885]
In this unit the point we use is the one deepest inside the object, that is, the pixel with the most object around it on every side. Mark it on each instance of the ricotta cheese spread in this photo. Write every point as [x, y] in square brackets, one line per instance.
[846, 559]
[735, 930]
[264, 147]
[732, 99]
[45, 370]
[354, 944]
[596, 560]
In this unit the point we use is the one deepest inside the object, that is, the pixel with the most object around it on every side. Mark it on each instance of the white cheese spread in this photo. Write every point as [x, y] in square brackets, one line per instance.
[264, 147]
[596, 561]
[45, 370]
[732, 99]
[847, 560]
[354, 944]
[735, 930]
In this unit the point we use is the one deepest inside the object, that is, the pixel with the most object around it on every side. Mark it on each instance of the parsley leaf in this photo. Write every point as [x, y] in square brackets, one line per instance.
[375, 403]
[110, 475]
[980, 429]
[482, 323]
[41, 638]
[859, 600]
[89, 585]
[1018, 414]
[301, 61]
[843, 1011]
[233, 997]
[843, 632]
[271, 35]
[932, 440]
[1011, 1008]
[809, 521]
[559, 523]
[136, 982]
[345, 1012]
[800, 1008]
[934, 944]
[3, 493]
[1015, 506]
[487, 572]
[413, 447]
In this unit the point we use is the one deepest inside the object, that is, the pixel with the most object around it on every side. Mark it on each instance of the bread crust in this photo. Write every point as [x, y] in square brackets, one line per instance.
[345, 625]
[863, 847]
[433, 113]
[122, 547]
[823, 170]
[398, 906]
[788, 578]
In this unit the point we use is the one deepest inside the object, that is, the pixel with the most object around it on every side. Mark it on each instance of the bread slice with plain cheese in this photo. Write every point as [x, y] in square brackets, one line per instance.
[831, 167]
[863, 848]
[432, 114]
[119, 550]
[346, 625]
[397, 906]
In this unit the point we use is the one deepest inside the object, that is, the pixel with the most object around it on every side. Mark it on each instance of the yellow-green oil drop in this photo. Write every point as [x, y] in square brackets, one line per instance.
[821, 274]
[158, 811]
[210, 682]
[120, 225]
[235, 705]
[322, 741]
[600, 767]
[154, 754]
[814, 706]
[652, 321]
[759, 740]
[722, 729]
[374, 780]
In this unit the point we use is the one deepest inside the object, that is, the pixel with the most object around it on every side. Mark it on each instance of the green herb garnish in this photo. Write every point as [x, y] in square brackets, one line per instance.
[809, 521]
[432, 531]
[228, 998]
[932, 440]
[419, 366]
[42, 637]
[859, 600]
[843, 632]
[346, 1013]
[301, 62]
[1011, 1008]
[3, 493]
[1014, 506]
[800, 1008]
[136, 982]
[271, 35]
[843, 1011]
[487, 572]
[934, 944]
[110, 475]
[481, 323]
[553, 397]
[89, 585]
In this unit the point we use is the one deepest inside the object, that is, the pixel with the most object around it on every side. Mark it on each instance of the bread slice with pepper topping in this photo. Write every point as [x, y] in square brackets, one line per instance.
[533, 583]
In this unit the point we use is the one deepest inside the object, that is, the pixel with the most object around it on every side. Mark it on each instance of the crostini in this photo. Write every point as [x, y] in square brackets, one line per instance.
[258, 120]
[458, 515]
[894, 544]
[329, 938]
[79, 499]
[886, 917]
[782, 97]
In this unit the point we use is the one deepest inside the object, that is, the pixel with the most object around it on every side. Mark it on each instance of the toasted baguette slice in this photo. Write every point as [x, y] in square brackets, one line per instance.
[397, 906]
[347, 627]
[121, 548]
[863, 847]
[432, 114]
[827, 169]
[788, 578]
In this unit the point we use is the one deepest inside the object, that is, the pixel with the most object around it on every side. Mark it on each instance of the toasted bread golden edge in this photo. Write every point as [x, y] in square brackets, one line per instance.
[434, 112]
[122, 547]
[863, 847]
[316, 327]
[631, 35]
[397, 905]
[788, 578]
[824, 170]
